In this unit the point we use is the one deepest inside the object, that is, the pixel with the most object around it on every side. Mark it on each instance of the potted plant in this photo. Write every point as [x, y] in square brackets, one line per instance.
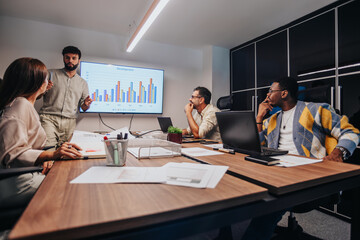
[174, 134]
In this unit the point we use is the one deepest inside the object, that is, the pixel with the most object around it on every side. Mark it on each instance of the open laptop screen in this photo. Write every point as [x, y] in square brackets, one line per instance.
[165, 123]
[238, 131]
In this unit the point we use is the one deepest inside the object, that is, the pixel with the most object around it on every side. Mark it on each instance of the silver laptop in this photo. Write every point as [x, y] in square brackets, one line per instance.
[239, 132]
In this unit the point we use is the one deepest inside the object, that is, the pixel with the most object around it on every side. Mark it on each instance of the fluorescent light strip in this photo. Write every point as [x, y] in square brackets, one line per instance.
[156, 7]
[330, 69]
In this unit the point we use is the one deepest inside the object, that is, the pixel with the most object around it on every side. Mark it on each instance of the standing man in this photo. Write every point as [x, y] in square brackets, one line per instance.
[303, 128]
[67, 92]
[203, 124]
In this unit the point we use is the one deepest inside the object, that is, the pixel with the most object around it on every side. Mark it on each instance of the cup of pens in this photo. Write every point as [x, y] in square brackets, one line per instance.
[116, 151]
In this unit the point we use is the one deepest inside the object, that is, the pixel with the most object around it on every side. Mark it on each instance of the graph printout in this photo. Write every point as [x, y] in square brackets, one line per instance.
[123, 89]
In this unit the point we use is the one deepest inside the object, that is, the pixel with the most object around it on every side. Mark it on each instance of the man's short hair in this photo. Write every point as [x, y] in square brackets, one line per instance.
[205, 93]
[289, 84]
[71, 49]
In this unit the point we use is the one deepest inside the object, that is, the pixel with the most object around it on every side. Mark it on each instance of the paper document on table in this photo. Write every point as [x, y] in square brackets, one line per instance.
[194, 175]
[91, 144]
[218, 173]
[151, 152]
[198, 152]
[102, 174]
[217, 145]
[292, 161]
[181, 174]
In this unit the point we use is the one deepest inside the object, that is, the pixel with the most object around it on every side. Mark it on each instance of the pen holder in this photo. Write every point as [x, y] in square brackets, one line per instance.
[116, 150]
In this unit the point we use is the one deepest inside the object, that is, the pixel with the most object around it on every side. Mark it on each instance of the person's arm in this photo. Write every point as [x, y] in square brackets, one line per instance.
[191, 121]
[339, 127]
[208, 123]
[69, 150]
[264, 108]
[336, 155]
[86, 104]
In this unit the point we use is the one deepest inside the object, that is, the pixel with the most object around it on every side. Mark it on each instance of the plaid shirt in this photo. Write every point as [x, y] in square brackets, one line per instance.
[317, 130]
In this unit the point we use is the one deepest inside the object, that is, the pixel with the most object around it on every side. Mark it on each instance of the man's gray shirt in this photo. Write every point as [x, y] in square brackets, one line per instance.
[66, 96]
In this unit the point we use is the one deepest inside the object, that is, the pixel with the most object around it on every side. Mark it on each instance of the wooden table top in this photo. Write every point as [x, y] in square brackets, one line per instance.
[60, 210]
[281, 180]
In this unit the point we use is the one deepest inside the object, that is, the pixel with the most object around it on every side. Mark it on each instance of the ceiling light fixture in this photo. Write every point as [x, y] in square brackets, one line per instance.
[156, 7]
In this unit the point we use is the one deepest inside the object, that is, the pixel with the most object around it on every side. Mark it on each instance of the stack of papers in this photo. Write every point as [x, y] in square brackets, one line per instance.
[92, 144]
[181, 174]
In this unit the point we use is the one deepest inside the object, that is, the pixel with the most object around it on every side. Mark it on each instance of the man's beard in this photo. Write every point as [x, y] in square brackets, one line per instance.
[67, 67]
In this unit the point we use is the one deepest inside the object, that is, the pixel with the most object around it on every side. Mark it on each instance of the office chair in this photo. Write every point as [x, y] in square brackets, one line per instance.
[9, 216]
[294, 230]
[225, 103]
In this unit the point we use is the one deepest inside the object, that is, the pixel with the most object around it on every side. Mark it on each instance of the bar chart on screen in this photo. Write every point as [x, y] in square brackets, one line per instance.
[123, 89]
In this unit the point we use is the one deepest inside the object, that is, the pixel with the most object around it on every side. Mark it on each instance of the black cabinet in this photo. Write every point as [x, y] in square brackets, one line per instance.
[271, 59]
[350, 97]
[244, 101]
[243, 68]
[349, 34]
[312, 46]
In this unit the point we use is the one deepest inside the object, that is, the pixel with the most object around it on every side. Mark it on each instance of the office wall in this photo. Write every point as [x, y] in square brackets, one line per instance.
[220, 72]
[216, 73]
[184, 68]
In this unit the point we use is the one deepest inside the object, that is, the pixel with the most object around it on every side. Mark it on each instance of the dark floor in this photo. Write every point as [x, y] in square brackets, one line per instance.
[315, 223]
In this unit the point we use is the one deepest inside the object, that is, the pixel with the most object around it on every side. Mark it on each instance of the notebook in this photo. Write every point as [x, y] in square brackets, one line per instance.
[239, 132]
[165, 123]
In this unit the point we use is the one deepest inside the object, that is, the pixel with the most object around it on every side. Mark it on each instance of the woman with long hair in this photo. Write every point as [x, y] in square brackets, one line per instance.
[21, 135]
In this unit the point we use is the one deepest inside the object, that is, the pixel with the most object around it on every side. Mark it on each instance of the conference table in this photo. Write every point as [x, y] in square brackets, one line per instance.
[60, 210]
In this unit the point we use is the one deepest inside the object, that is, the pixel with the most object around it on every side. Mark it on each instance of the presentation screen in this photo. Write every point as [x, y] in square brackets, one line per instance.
[123, 89]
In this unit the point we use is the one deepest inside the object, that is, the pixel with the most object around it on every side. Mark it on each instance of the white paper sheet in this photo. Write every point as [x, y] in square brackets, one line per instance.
[195, 175]
[102, 174]
[181, 174]
[292, 161]
[198, 152]
[218, 145]
[90, 143]
[218, 173]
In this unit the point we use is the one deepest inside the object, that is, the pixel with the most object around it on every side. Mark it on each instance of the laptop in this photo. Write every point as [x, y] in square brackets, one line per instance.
[165, 123]
[239, 132]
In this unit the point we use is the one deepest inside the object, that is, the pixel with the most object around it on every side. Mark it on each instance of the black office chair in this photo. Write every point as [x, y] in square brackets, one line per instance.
[9, 216]
[225, 103]
[294, 230]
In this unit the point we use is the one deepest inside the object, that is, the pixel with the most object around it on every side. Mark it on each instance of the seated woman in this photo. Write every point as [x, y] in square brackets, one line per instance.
[21, 134]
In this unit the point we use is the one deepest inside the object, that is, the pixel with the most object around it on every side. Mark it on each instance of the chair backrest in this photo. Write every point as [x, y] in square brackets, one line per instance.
[10, 215]
[316, 94]
[225, 102]
[10, 172]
